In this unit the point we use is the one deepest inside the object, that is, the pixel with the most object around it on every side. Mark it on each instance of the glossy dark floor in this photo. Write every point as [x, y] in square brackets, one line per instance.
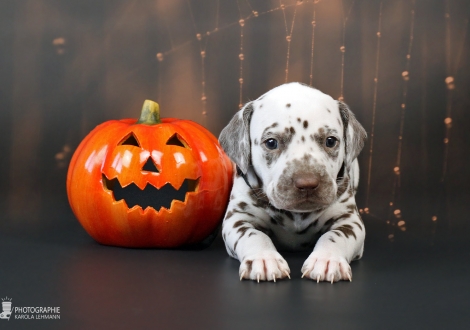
[414, 282]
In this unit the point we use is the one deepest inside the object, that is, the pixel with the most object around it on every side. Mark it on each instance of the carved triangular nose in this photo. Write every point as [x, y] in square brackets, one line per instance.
[149, 166]
[306, 182]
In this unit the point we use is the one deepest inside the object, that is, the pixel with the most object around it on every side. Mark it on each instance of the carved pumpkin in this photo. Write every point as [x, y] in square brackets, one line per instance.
[149, 183]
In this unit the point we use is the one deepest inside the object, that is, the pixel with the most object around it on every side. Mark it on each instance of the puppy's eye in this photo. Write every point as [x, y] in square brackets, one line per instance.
[271, 144]
[331, 142]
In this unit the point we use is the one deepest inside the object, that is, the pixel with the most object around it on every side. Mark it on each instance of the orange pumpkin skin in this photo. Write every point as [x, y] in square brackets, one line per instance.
[101, 157]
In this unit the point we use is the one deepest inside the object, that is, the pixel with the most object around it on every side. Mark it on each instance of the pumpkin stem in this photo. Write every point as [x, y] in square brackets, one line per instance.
[150, 114]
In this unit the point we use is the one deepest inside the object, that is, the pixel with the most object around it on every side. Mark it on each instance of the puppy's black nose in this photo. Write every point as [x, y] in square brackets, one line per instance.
[306, 182]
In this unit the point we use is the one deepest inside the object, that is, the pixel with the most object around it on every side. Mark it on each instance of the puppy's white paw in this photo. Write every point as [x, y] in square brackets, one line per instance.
[264, 266]
[326, 266]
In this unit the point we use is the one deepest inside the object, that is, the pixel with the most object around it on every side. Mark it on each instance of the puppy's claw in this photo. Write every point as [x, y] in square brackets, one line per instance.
[332, 279]
[257, 277]
[303, 275]
[242, 274]
[318, 279]
[287, 274]
[274, 278]
[349, 276]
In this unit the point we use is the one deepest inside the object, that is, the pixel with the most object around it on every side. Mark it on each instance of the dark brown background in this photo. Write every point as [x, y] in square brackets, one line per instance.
[66, 66]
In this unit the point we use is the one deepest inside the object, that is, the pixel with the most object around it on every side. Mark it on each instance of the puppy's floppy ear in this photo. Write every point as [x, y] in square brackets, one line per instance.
[235, 138]
[354, 133]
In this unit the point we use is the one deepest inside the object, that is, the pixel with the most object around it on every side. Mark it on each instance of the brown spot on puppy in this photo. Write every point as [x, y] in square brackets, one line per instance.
[249, 265]
[229, 215]
[242, 205]
[242, 231]
[347, 231]
[239, 223]
[358, 224]
[259, 199]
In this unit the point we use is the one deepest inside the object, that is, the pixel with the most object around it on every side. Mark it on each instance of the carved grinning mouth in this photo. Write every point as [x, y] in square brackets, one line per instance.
[149, 196]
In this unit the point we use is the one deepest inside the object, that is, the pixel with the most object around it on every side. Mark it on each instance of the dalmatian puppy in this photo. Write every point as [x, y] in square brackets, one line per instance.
[295, 151]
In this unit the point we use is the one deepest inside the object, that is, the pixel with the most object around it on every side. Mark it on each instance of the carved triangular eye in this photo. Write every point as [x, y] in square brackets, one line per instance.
[149, 166]
[176, 140]
[130, 140]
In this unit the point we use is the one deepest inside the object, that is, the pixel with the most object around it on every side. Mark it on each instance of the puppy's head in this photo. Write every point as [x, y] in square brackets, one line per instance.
[298, 142]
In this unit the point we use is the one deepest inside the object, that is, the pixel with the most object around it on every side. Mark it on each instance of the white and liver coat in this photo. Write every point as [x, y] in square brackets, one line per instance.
[295, 149]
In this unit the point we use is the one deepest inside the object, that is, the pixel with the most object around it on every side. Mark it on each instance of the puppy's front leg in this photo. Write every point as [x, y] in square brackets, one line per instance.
[246, 239]
[335, 249]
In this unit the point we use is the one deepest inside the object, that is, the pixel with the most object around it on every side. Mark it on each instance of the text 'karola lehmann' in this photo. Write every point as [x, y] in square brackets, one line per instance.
[28, 313]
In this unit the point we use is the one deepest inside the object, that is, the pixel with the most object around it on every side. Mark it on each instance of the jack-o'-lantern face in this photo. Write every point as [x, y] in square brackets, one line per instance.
[137, 184]
[138, 174]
